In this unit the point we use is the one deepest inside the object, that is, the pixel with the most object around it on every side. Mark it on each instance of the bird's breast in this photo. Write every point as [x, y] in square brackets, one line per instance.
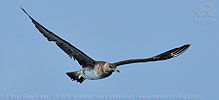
[90, 74]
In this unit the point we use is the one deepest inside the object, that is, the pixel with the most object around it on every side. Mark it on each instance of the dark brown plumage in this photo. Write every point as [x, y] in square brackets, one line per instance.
[166, 55]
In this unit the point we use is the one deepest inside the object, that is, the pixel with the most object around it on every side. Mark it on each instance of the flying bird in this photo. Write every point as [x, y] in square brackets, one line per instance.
[93, 69]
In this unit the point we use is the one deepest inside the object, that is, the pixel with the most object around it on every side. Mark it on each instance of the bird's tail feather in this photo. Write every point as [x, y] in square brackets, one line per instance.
[76, 76]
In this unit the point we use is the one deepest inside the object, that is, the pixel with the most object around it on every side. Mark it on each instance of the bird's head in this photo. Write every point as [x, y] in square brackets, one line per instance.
[111, 68]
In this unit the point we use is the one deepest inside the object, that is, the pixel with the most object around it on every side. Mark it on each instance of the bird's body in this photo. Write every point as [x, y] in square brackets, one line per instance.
[91, 74]
[92, 69]
[98, 71]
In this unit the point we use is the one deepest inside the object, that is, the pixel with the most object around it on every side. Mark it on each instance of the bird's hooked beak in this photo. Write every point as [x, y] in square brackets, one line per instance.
[117, 70]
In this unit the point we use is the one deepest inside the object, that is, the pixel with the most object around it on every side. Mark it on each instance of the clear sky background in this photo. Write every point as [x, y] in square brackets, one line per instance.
[110, 30]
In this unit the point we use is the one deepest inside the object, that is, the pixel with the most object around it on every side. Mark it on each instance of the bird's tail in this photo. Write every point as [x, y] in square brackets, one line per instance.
[76, 76]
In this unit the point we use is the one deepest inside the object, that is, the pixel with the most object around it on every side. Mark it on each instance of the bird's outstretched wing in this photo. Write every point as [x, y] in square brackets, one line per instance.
[72, 51]
[163, 56]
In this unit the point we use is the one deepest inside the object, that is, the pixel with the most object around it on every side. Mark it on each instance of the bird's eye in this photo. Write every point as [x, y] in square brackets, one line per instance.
[111, 66]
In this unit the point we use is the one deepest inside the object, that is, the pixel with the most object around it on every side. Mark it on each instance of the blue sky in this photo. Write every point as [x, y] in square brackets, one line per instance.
[110, 30]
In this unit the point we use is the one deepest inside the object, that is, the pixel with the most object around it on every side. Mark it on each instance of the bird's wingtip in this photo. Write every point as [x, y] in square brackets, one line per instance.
[188, 45]
[21, 7]
[24, 10]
